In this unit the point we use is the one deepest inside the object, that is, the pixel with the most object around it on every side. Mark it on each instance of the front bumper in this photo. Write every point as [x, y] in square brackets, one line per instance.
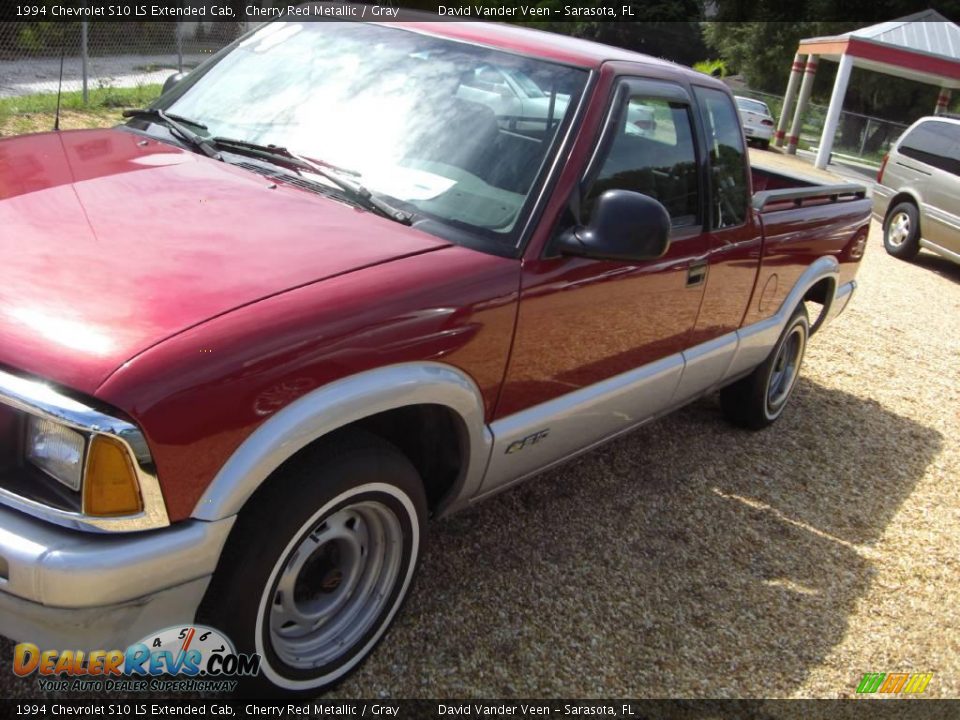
[93, 590]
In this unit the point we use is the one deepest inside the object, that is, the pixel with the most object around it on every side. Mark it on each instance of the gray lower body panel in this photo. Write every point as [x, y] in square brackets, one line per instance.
[110, 627]
[542, 436]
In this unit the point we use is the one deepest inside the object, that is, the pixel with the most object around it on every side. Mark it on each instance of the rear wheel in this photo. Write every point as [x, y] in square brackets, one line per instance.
[764, 144]
[901, 234]
[759, 399]
[319, 563]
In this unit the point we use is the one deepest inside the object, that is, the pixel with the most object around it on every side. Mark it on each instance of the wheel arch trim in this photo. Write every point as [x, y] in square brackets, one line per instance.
[756, 340]
[341, 403]
[904, 194]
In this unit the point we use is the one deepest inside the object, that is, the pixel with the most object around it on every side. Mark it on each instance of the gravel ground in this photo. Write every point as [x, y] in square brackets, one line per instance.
[690, 559]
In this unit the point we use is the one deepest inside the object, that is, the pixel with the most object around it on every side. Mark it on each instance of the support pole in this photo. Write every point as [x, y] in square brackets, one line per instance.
[943, 101]
[83, 57]
[795, 72]
[833, 112]
[806, 87]
[179, 36]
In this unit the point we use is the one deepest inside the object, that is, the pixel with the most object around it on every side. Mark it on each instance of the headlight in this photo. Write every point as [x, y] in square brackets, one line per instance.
[101, 474]
[110, 484]
[57, 450]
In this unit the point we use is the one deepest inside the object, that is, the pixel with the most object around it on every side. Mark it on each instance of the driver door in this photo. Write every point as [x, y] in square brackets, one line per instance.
[597, 342]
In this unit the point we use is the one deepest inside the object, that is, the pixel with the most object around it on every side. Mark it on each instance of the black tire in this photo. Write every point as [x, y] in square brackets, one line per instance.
[903, 217]
[764, 144]
[297, 526]
[758, 400]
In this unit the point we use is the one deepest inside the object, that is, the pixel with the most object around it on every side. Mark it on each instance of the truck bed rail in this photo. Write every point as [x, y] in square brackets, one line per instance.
[797, 197]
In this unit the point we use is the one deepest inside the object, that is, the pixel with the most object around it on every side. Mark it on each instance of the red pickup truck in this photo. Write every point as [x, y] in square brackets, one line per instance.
[331, 284]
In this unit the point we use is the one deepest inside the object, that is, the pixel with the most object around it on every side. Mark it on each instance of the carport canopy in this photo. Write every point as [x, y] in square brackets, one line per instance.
[924, 47]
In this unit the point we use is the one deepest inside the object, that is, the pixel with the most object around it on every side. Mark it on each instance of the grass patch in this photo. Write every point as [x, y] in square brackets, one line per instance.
[35, 113]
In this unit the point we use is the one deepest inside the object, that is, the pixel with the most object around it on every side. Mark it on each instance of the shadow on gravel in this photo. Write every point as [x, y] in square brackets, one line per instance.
[940, 265]
[686, 559]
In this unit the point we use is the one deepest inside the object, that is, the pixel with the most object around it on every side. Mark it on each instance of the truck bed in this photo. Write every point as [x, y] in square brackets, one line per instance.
[773, 191]
[802, 220]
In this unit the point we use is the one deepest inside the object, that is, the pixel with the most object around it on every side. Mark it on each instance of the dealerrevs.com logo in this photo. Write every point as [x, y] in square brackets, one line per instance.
[190, 659]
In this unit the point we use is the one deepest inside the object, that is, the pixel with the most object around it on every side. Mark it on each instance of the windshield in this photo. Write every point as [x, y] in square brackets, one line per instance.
[753, 106]
[394, 107]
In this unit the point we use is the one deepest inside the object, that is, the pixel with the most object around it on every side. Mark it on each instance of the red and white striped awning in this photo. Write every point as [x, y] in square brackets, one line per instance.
[924, 46]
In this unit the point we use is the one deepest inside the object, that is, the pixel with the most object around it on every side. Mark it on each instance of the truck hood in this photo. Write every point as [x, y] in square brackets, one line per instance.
[111, 243]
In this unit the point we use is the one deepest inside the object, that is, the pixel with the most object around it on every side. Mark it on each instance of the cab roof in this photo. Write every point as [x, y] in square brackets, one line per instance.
[537, 43]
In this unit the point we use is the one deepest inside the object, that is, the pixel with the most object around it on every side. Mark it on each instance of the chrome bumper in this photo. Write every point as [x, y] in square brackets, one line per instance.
[109, 627]
[56, 582]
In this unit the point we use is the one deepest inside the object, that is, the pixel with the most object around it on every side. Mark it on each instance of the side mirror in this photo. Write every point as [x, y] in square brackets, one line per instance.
[171, 81]
[625, 225]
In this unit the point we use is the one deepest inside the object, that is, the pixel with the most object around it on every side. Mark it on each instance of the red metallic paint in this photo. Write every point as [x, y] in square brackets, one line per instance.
[733, 260]
[199, 394]
[186, 292]
[110, 246]
[795, 238]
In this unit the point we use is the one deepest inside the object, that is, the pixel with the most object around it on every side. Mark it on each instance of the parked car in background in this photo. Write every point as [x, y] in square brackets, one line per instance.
[252, 339]
[917, 195]
[757, 120]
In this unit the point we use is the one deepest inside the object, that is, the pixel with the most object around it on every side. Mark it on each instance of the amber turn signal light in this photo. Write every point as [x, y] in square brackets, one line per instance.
[110, 484]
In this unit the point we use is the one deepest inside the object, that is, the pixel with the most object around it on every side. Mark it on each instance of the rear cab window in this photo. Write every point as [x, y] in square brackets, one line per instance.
[729, 185]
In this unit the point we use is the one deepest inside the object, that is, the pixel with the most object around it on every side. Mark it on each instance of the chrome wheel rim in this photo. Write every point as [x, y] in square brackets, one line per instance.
[335, 584]
[899, 229]
[786, 369]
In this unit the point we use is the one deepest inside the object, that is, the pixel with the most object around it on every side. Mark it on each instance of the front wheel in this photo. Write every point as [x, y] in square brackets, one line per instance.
[319, 563]
[759, 399]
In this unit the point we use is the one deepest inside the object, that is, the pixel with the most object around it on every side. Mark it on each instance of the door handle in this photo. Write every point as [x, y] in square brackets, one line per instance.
[696, 274]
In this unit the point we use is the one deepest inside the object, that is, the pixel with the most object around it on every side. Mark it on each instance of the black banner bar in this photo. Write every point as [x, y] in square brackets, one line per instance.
[511, 709]
[535, 11]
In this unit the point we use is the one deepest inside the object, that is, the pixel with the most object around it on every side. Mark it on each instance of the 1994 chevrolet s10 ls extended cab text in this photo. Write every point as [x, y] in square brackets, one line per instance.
[329, 286]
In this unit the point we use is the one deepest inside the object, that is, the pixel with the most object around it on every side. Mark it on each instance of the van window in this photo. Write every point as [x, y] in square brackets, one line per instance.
[934, 143]
[728, 166]
[653, 153]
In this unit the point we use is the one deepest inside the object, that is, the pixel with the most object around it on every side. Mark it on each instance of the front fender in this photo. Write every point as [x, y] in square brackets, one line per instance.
[340, 403]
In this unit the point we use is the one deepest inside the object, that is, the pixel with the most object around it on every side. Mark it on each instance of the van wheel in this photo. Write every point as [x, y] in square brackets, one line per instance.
[764, 144]
[757, 400]
[319, 563]
[901, 234]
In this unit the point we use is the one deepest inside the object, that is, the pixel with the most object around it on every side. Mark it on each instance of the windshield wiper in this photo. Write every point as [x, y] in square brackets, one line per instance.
[353, 189]
[175, 123]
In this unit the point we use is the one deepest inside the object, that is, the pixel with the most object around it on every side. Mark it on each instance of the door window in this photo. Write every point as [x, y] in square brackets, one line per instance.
[728, 165]
[651, 152]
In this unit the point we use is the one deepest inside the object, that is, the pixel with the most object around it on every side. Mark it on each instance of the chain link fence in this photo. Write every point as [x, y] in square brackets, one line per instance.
[102, 56]
[862, 139]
